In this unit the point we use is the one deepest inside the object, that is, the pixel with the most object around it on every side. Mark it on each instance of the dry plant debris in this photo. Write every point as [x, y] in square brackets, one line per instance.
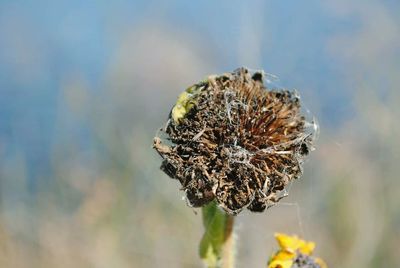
[231, 139]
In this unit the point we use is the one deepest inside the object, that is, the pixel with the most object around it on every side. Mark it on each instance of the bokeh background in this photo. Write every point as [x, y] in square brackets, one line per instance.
[84, 86]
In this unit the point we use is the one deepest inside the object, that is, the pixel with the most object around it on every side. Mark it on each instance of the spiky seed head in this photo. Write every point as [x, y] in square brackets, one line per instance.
[234, 140]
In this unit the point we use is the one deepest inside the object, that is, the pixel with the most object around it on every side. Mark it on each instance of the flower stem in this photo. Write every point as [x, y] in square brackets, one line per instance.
[229, 244]
[217, 244]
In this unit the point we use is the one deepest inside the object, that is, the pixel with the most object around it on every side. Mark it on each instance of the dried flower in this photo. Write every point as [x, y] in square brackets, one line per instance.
[294, 253]
[231, 139]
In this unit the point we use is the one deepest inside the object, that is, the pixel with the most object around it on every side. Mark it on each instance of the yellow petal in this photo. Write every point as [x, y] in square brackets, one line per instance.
[185, 102]
[178, 112]
[293, 243]
[321, 263]
[283, 255]
[280, 264]
[288, 243]
[307, 247]
[183, 98]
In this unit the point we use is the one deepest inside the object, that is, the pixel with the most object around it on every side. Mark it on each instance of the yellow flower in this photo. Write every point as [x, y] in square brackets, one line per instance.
[293, 243]
[282, 259]
[292, 248]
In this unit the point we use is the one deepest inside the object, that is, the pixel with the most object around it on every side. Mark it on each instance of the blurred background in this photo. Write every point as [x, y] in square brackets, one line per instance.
[84, 86]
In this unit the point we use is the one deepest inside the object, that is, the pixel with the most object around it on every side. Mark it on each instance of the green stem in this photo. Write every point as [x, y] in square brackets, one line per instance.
[217, 244]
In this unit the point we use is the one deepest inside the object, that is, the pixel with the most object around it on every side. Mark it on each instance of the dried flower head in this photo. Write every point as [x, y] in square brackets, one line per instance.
[294, 253]
[231, 139]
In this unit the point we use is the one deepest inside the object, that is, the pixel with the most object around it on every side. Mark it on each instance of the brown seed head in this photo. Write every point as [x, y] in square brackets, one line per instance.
[233, 140]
